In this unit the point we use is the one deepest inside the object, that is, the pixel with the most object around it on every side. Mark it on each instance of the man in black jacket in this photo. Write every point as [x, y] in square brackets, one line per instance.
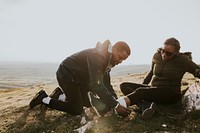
[83, 72]
[168, 68]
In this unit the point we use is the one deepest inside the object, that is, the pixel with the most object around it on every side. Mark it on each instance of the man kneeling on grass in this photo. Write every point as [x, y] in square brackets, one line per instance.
[83, 72]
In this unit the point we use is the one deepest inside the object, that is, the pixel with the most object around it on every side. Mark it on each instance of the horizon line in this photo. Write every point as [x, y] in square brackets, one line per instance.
[54, 62]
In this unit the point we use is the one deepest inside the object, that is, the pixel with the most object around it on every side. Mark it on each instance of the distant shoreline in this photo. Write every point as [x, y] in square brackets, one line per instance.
[23, 75]
[129, 69]
[12, 86]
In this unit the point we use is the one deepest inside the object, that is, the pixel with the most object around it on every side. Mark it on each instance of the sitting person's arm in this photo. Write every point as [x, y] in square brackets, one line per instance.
[192, 68]
[148, 78]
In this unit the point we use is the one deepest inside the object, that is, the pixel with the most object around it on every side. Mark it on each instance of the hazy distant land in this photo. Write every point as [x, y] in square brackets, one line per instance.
[20, 75]
[23, 74]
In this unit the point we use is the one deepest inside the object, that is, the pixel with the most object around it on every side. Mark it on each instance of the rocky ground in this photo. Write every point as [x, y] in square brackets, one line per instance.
[16, 117]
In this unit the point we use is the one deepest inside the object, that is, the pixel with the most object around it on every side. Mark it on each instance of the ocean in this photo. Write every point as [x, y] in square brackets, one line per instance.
[24, 74]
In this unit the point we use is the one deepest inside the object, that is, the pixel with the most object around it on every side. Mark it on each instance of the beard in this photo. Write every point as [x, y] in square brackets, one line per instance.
[112, 63]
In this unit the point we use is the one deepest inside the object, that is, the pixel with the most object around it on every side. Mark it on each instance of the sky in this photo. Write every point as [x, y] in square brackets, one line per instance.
[51, 30]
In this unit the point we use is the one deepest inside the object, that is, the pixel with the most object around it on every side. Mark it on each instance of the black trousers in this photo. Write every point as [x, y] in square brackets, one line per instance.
[137, 93]
[76, 95]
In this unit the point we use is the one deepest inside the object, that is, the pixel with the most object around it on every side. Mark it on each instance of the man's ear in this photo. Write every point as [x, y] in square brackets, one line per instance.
[175, 53]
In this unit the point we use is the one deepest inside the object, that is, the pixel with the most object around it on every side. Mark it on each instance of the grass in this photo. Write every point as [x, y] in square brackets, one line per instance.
[166, 119]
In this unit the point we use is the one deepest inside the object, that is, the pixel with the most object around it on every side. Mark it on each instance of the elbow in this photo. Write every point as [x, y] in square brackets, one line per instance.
[197, 73]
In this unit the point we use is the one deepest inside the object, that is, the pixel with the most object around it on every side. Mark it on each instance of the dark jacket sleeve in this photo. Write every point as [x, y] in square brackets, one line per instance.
[192, 68]
[148, 78]
[96, 66]
[108, 84]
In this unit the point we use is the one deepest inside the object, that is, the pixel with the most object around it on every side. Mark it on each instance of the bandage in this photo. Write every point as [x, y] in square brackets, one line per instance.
[122, 101]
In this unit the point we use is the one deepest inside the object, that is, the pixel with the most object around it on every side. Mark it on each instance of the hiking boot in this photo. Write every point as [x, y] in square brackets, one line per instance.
[99, 106]
[148, 112]
[37, 99]
[56, 93]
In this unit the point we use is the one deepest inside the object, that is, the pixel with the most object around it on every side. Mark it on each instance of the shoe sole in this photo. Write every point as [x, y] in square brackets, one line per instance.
[96, 111]
[57, 90]
[149, 112]
[36, 95]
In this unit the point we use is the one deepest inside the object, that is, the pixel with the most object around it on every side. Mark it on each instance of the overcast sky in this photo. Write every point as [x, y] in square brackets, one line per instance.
[51, 30]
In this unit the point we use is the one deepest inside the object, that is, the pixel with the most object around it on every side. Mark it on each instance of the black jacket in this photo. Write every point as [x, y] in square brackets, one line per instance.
[90, 68]
[170, 73]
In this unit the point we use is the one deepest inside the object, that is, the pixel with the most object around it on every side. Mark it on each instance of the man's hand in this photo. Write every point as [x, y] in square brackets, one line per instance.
[122, 111]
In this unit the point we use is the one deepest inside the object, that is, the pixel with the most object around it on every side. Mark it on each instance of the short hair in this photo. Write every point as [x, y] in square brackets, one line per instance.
[122, 46]
[173, 42]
